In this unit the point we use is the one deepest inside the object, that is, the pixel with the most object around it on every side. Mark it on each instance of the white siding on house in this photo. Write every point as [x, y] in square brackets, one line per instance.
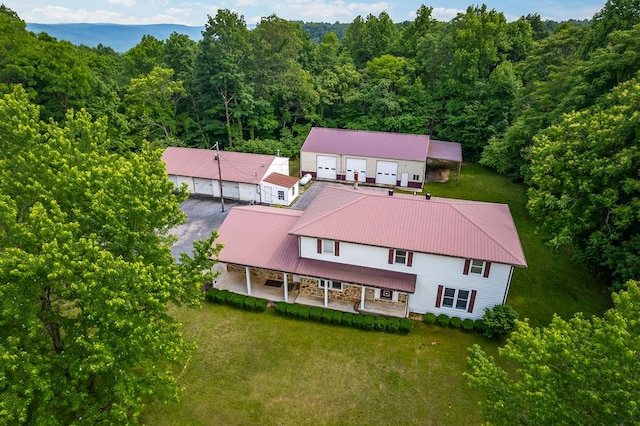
[431, 270]
[249, 192]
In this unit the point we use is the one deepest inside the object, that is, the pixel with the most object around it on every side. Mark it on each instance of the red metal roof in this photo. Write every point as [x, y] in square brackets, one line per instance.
[459, 228]
[372, 277]
[281, 180]
[363, 143]
[441, 150]
[258, 236]
[235, 166]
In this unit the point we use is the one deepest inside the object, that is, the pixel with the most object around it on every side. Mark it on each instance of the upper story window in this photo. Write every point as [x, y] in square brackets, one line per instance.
[475, 266]
[328, 247]
[402, 257]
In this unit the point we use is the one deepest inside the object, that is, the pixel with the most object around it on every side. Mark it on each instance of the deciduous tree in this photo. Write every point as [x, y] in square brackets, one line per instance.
[580, 371]
[86, 273]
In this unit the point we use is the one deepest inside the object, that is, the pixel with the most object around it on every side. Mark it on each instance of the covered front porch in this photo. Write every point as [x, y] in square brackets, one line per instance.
[278, 286]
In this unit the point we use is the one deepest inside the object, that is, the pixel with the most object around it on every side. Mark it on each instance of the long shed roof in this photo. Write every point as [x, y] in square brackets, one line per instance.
[364, 143]
[235, 166]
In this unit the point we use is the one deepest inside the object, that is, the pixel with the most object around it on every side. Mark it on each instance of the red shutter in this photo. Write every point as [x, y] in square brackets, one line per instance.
[439, 296]
[336, 249]
[319, 245]
[487, 268]
[467, 263]
[410, 259]
[472, 300]
[390, 256]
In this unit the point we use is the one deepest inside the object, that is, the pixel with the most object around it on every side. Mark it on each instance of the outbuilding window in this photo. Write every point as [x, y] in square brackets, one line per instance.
[280, 195]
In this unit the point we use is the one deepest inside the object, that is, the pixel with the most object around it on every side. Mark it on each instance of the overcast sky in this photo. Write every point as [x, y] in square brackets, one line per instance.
[195, 12]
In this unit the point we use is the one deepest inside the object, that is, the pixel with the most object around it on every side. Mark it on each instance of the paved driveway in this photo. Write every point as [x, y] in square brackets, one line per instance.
[203, 216]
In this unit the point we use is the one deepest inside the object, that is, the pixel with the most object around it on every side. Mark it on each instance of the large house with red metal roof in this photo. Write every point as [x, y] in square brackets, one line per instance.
[380, 158]
[253, 178]
[368, 251]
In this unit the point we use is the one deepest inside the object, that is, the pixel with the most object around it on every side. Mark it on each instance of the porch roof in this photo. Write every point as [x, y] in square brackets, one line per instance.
[361, 275]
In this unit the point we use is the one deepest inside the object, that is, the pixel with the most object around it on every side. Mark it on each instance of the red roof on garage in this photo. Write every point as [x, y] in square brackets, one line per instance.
[235, 166]
[398, 146]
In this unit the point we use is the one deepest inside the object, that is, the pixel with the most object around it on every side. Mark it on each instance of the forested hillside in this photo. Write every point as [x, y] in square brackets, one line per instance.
[553, 105]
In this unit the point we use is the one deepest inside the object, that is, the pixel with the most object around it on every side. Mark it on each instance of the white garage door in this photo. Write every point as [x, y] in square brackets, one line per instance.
[188, 180]
[387, 172]
[326, 167]
[356, 165]
[203, 186]
[231, 190]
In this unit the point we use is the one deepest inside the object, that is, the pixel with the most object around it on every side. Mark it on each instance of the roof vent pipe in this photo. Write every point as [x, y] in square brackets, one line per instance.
[427, 196]
[391, 193]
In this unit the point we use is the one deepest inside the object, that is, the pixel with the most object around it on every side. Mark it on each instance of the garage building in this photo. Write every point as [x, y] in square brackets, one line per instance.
[381, 158]
[243, 174]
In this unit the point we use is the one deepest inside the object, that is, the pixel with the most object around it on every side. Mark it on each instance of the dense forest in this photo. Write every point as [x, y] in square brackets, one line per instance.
[554, 105]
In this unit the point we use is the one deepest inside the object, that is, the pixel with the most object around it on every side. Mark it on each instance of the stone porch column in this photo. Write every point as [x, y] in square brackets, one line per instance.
[362, 292]
[247, 274]
[286, 287]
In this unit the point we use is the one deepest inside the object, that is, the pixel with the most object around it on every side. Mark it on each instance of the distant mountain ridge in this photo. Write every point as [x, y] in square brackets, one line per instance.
[119, 37]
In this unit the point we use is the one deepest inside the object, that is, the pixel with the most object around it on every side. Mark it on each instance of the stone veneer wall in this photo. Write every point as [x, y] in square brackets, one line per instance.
[265, 274]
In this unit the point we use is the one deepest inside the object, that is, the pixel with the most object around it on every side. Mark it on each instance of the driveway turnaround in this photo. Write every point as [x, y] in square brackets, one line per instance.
[203, 216]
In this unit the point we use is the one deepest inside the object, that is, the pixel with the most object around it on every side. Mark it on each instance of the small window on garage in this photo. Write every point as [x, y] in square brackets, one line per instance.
[280, 195]
[416, 177]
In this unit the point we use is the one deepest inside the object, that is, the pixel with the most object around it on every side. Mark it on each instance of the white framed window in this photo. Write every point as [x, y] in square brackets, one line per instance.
[455, 298]
[331, 285]
[416, 177]
[280, 195]
[401, 257]
[327, 246]
[476, 266]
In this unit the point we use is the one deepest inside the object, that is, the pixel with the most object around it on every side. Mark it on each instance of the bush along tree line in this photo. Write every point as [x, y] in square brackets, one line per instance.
[550, 104]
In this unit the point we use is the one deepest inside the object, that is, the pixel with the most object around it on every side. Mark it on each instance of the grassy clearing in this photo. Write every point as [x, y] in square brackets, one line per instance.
[261, 368]
[264, 369]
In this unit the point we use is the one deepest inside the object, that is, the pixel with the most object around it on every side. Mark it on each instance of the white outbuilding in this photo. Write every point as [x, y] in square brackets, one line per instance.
[244, 176]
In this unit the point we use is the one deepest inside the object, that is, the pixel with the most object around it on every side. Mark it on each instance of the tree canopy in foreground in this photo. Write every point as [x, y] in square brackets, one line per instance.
[581, 371]
[86, 273]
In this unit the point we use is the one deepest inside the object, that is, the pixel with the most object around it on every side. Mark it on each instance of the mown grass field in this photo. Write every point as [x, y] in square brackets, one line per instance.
[264, 369]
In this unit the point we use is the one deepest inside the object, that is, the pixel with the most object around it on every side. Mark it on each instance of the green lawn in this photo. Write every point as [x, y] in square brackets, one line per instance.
[265, 369]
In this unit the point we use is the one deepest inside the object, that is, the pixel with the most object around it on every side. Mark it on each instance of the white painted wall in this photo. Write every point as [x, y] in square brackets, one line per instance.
[431, 270]
[279, 165]
[289, 193]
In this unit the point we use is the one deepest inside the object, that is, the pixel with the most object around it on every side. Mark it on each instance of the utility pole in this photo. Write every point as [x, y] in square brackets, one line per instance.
[217, 158]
